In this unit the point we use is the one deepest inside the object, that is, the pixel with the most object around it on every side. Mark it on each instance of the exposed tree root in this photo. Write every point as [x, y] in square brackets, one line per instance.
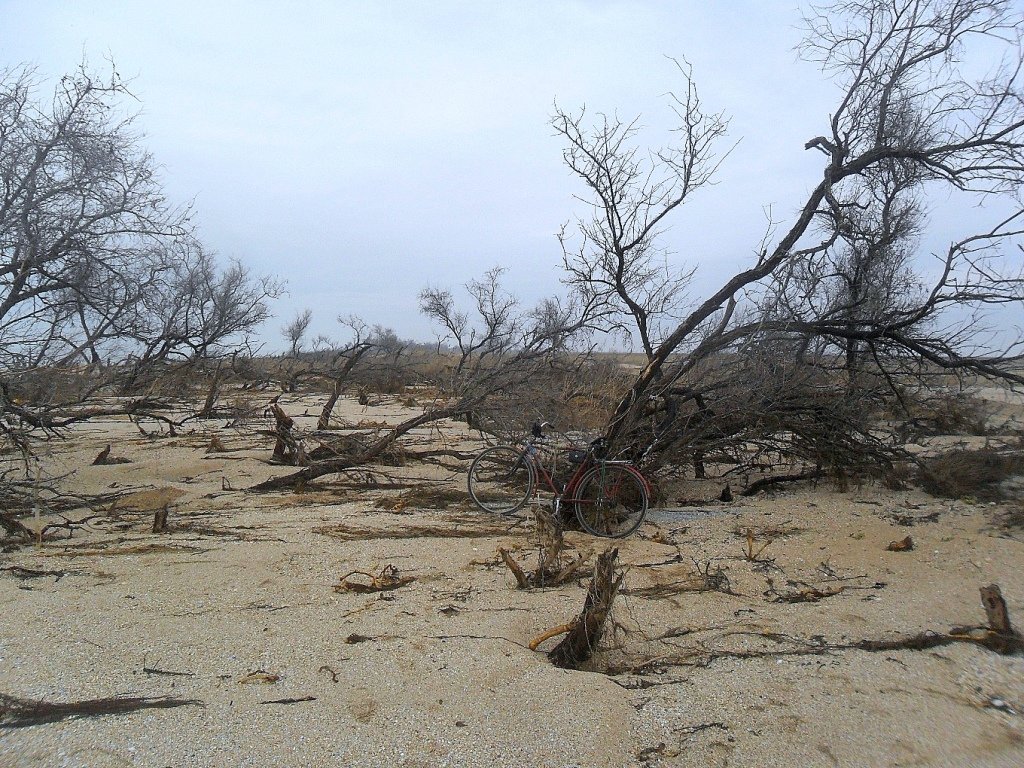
[999, 637]
[553, 568]
[704, 578]
[561, 629]
[581, 641]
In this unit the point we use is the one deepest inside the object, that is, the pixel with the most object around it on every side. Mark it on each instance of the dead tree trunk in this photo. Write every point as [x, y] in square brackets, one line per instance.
[319, 469]
[325, 415]
[339, 383]
[160, 519]
[580, 643]
[206, 412]
[287, 450]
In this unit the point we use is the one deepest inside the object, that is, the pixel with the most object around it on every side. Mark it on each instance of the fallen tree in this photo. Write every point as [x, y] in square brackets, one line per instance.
[838, 323]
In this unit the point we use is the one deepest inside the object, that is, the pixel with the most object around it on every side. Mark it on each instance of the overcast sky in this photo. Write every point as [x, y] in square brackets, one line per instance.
[365, 150]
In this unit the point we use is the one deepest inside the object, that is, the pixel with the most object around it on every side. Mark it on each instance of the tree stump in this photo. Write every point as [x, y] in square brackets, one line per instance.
[287, 450]
[1002, 637]
[160, 519]
[579, 644]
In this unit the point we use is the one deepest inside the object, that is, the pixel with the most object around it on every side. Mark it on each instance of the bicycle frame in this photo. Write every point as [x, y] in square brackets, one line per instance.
[568, 491]
[610, 498]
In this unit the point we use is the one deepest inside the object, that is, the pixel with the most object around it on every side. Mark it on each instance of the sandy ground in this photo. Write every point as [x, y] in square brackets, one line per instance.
[437, 673]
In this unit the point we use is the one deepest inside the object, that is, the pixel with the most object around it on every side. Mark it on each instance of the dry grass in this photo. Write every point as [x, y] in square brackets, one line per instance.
[134, 549]
[951, 414]
[705, 577]
[767, 530]
[459, 529]
[424, 497]
[973, 474]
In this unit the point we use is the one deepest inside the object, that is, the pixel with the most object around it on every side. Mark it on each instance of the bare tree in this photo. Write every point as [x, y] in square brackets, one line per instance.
[97, 267]
[502, 360]
[496, 363]
[844, 280]
[348, 355]
[616, 261]
[295, 331]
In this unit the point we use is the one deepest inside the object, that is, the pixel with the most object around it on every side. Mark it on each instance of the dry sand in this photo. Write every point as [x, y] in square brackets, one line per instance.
[441, 675]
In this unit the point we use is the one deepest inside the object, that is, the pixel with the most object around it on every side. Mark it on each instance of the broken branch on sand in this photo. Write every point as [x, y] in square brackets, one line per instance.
[999, 637]
[385, 581]
[299, 700]
[20, 713]
[806, 595]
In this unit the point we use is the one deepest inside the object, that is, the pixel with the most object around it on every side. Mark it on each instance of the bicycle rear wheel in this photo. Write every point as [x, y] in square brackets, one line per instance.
[501, 479]
[611, 501]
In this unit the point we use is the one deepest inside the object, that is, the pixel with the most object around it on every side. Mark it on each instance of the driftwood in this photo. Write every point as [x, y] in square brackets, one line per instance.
[385, 581]
[903, 545]
[581, 641]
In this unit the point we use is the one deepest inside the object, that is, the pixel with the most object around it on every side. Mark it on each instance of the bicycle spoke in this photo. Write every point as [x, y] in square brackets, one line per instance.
[611, 501]
[501, 479]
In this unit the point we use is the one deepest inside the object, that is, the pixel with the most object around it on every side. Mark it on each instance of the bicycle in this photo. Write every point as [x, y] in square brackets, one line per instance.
[610, 498]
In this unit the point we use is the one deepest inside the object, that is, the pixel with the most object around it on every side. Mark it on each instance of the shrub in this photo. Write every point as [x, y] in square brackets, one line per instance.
[949, 414]
[979, 473]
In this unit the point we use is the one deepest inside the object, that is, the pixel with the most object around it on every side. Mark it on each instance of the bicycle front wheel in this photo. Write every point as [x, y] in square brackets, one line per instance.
[501, 479]
[611, 501]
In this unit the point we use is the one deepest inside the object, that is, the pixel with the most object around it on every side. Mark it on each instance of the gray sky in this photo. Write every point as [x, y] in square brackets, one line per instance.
[363, 150]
